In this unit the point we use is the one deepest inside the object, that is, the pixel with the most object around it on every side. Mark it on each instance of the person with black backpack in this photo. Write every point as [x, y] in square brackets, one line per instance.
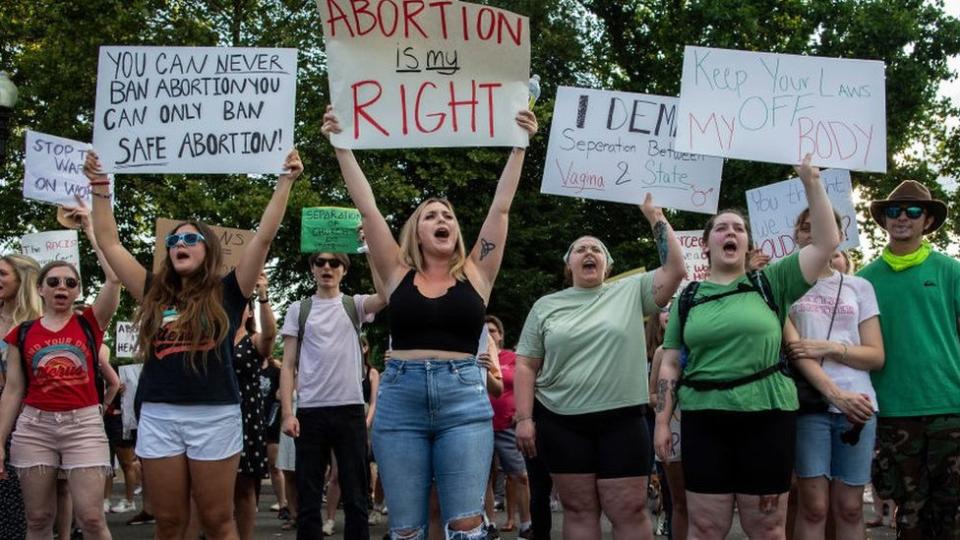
[54, 370]
[739, 409]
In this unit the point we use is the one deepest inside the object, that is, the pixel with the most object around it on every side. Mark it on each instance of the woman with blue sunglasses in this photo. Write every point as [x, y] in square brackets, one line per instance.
[190, 421]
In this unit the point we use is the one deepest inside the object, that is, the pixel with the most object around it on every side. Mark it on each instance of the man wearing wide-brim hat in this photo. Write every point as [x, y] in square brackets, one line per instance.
[918, 390]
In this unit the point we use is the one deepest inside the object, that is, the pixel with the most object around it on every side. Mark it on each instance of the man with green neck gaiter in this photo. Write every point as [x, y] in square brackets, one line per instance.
[918, 390]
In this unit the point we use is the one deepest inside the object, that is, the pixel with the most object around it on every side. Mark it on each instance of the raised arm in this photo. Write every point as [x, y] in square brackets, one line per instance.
[384, 250]
[130, 272]
[487, 253]
[672, 268]
[251, 264]
[666, 401]
[374, 303]
[108, 299]
[263, 340]
[824, 235]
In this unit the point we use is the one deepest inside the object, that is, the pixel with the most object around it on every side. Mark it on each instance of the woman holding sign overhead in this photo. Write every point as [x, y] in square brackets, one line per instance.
[433, 416]
[190, 424]
[739, 409]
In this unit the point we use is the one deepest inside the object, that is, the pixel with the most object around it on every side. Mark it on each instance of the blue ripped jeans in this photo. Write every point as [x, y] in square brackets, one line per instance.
[433, 422]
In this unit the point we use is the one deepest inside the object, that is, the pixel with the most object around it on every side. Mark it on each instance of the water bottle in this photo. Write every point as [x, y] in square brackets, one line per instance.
[534, 90]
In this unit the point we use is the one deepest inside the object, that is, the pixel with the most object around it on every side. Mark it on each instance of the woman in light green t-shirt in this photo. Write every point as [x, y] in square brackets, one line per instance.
[739, 411]
[582, 356]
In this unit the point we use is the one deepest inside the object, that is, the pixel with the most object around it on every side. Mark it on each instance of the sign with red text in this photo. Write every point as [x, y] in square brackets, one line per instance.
[233, 242]
[694, 258]
[773, 211]
[619, 146]
[51, 246]
[53, 170]
[779, 107]
[195, 109]
[426, 74]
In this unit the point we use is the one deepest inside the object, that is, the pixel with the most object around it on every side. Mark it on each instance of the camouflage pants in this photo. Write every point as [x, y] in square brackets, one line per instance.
[918, 466]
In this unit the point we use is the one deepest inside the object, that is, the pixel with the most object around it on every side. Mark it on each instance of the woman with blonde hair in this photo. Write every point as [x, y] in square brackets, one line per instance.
[433, 416]
[190, 433]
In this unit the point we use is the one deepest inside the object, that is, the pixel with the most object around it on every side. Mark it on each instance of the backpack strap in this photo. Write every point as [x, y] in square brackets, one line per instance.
[305, 306]
[761, 283]
[95, 351]
[351, 308]
[21, 339]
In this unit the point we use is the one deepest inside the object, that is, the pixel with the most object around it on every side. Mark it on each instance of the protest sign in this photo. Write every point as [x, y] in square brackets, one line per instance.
[694, 258]
[194, 109]
[618, 146]
[49, 246]
[232, 242]
[774, 209]
[418, 74]
[329, 229]
[53, 170]
[126, 339]
[779, 107]
[130, 379]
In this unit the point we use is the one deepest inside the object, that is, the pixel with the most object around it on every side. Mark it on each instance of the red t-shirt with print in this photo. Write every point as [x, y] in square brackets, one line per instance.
[60, 375]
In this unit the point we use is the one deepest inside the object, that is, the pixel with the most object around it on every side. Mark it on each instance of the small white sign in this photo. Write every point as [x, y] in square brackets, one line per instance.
[619, 146]
[774, 209]
[779, 107]
[195, 109]
[53, 170]
[50, 246]
[126, 339]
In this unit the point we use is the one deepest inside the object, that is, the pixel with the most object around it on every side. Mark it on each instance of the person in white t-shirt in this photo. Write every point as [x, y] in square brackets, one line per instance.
[833, 337]
[326, 361]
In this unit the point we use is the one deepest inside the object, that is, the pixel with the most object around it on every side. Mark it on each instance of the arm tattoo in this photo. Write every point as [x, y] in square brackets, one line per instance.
[663, 386]
[486, 248]
[660, 237]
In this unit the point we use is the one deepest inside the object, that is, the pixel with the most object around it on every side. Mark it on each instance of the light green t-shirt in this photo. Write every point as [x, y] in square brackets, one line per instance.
[593, 346]
[736, 336]
[918, 316]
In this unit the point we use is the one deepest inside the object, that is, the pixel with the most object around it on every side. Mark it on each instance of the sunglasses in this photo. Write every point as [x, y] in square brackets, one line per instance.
[188, 239]
[69, 282]
[913, 212]
[320, 261]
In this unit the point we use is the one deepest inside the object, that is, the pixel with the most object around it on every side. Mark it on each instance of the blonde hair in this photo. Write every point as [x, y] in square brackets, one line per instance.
[410, 248]
[28, 303]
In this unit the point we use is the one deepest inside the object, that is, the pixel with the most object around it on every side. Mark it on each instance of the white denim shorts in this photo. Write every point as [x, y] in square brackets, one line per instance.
[202, 432]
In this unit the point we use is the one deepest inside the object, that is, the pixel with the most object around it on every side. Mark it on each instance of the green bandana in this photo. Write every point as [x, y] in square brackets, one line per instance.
[899, 263]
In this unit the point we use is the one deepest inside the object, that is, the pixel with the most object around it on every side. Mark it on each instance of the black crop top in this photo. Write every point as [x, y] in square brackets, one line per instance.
[452, 322]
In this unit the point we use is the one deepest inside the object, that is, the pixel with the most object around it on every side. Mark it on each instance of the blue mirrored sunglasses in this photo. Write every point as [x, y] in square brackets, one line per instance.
[913, 212]
[188, 239]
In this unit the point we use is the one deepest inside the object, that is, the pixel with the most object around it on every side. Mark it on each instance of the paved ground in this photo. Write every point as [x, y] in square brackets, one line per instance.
[268, 527]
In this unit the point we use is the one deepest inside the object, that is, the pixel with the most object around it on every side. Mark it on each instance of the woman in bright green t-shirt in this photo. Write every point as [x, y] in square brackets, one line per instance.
[739, 412]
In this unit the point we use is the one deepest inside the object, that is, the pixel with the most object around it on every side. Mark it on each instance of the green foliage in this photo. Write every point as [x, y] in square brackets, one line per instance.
[50, 48]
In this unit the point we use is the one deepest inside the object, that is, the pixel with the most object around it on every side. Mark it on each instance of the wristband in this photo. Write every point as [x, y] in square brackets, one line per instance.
[843, 358]
[107, 195]
[99, 182]
[263, 300]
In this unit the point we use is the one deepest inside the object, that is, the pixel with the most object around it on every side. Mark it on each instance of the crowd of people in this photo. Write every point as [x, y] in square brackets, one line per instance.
[793, 375]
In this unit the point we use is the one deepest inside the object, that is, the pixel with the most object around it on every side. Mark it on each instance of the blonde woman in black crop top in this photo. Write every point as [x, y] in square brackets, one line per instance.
[433, 416]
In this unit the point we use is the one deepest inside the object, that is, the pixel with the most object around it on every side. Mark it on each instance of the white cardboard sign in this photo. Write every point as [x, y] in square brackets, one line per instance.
[53, 170]
[779, 107]
[618, 146]
[50, 246]
[195, 109]
[126, 339]
[426, 74]
[774, 209]
[694, 258]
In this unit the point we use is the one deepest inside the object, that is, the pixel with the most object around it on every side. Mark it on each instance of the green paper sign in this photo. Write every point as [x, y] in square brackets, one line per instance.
[329, 229]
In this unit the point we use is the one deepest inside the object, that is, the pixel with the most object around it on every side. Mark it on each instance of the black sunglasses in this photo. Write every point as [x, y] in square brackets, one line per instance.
[69, 282]
[913, 212]
[320, 261]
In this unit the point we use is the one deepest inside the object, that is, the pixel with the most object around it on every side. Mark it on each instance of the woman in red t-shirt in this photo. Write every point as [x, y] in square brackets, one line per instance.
[60, 425]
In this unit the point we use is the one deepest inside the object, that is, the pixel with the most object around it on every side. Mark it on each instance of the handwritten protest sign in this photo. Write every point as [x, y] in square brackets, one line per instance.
[779, 107]
[53, 170]
[50, 246]
[694, 258]
[774, 209]
[419, 74]
[232, 241]
[130, 379]
[329, 229]
[194, 109]
[126, 339]
[618, 146]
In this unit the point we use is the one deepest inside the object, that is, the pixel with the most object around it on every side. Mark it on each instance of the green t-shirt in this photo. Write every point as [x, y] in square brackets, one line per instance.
[592, 344]
[918, 316]
[736, 336]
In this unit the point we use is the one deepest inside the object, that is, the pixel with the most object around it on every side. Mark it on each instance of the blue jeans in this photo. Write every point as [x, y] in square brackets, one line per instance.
[820, 452]
[433, 423]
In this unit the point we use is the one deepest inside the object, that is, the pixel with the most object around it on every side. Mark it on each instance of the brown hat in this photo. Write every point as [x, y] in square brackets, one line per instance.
[911, 191]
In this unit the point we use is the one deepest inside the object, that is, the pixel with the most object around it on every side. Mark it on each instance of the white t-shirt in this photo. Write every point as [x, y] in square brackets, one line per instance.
[811, 315]
[331, 363]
